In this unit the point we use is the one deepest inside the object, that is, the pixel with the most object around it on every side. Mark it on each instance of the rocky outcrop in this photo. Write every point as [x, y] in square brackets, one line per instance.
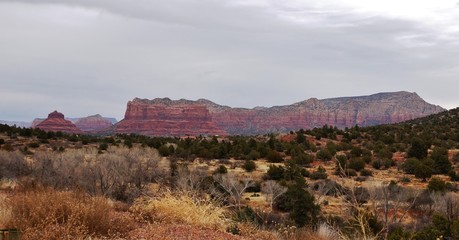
[93, 123]
[57, 123]
[165, 117]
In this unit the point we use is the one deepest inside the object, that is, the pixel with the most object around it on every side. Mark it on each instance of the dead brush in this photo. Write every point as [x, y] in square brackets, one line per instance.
[49, 214]
[181, 209]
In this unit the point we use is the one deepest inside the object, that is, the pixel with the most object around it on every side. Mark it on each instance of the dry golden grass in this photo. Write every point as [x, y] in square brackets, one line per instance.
[181, 209]
[5, 212]
[49, 214]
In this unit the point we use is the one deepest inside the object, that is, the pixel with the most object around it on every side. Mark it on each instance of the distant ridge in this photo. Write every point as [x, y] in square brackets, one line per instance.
[166, 117]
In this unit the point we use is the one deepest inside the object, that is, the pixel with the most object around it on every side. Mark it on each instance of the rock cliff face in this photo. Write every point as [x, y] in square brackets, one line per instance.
[56, 122]
[165, 117]
[93, 123]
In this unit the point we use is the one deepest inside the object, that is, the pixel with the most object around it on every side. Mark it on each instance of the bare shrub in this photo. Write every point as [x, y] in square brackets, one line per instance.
[325, 231]
[181, 209]
[120, 173]
[393, 203]
[293, 233]
[190, 179]
[446, 204]
[234, 186]
[272, 190]
[49, 214]
[13, 165]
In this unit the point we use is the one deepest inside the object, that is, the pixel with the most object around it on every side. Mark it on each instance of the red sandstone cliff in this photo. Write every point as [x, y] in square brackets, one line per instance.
[165, 117]
[93, 123]
[57, 123]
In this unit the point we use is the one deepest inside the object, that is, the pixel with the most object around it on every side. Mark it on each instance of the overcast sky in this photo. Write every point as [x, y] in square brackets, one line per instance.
[83, 57]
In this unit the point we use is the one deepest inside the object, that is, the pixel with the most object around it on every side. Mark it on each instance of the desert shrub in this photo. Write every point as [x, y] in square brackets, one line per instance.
[376, 164]
[300, 205]
[13, 164]
[253, 155]
[181, 209]
[320, 173]
[437, 185]
[49, 214]
[249, 166]
[422, 171]
[388, 162]
[103, 146]
[453, 175]
[275, 172]
[357, 164]
[442, 165]
[398, 233]
[305, 172]
[33, 145]
[302, 159]
[324, 154]
[418, 148]
[255, 188]
[164, 150]
[356, 152]
[221, 170]
[366, 172]
[274, 157]
[410, 165]
[247, 214]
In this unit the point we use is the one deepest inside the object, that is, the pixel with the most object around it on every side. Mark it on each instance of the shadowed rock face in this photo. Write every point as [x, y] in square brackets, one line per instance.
[165, 117]
[57, 123]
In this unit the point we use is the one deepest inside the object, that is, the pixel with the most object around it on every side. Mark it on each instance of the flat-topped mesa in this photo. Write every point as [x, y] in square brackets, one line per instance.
[166, 117]
[57, 123]
[94, 123]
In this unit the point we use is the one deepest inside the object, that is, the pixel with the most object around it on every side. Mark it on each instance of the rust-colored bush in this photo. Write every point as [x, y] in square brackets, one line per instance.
[49, 214]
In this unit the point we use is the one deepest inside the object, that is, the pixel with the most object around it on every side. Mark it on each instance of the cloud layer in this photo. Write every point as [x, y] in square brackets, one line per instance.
[85, 57]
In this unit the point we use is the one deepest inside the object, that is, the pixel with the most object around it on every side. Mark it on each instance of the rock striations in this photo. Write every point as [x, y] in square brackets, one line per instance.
[57, 123]
[165, 117]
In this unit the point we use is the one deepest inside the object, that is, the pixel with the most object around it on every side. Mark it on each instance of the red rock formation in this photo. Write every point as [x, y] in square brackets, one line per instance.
[164, 117]
[172, 118]
[93, 123]
[57, 123]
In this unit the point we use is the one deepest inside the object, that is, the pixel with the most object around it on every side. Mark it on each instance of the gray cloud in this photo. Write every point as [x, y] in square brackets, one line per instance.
[85, 57]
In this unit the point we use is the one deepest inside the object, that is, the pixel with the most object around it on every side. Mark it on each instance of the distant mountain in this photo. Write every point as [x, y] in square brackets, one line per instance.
[57, 123]
[16, 123]
[93, 123]
[90, 123]
[166, 117]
